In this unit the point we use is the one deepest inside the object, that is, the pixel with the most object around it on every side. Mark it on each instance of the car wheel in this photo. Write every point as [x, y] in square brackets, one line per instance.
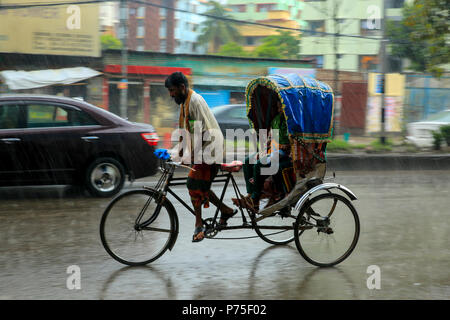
[105, 177]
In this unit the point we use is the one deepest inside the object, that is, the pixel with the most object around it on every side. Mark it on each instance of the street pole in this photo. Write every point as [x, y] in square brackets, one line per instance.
[336, 57]
[383, 59]
[124, 58]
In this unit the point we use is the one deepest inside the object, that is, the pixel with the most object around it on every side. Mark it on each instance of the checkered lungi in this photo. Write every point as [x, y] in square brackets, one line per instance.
[199, 183]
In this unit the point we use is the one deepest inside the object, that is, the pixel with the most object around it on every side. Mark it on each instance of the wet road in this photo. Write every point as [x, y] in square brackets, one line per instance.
[405, 232]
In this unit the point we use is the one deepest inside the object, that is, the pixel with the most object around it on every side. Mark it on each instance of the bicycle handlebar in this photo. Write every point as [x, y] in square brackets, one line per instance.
[178, 164]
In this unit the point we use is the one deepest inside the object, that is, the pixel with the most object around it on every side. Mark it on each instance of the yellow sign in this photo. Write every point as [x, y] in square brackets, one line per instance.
[70, 29]
[394, 85]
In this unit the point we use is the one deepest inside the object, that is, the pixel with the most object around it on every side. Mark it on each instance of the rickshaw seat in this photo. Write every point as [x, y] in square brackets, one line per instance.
[234, 166]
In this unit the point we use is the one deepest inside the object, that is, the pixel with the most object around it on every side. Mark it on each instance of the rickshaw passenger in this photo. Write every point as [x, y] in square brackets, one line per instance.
[252, 171]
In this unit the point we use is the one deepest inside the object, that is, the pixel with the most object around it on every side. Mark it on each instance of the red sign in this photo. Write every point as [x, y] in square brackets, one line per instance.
[147, 70]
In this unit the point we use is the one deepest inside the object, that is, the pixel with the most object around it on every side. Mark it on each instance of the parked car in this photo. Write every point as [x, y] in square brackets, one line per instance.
[231, 116]
[55, 140]
[421, 133]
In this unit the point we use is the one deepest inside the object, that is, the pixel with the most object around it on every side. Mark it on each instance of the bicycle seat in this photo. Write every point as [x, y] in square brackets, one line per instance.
[234, 166]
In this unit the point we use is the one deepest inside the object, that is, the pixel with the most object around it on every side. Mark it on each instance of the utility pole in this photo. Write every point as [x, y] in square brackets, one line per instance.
[124, 58]
[383, 58]
[336, 55]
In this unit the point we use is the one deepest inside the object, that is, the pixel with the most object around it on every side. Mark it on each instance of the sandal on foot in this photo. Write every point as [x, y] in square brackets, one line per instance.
[225, 218]
[197, 232]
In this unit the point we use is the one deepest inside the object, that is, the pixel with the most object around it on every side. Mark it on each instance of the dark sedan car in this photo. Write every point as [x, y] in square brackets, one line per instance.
[231, 116]
[57, 140]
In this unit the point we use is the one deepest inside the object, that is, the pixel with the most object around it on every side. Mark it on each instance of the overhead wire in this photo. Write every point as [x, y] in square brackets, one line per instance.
[80, 2]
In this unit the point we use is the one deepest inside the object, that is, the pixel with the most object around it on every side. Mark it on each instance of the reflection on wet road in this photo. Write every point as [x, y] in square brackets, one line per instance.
[404, 231]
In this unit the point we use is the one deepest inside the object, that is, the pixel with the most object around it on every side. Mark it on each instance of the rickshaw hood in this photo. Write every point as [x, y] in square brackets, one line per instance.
[307, 105]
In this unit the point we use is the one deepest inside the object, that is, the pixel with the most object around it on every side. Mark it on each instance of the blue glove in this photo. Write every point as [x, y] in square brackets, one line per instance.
[162, 154]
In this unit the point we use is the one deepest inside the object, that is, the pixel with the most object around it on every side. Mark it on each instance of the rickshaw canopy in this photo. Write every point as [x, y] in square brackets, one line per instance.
[306, 102]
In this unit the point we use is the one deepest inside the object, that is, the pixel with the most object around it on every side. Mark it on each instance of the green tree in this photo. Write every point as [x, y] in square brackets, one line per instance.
[215, 32]
[110, 42]
[287, 43]
[284, 45]
[232, 49]
[267, 50]
[422, 34]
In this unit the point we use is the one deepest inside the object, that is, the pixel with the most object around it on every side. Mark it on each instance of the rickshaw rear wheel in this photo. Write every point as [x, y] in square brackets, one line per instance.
[327, 229]
[283, 220]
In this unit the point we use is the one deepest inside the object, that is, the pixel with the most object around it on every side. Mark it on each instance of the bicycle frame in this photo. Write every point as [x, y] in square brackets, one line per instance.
[225, 178]
[307, 218]
[167, 180]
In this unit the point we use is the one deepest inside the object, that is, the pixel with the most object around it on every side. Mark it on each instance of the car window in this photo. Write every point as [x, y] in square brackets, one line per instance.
[43, 115]
[238, 113]
[10, 117]
[80, 118]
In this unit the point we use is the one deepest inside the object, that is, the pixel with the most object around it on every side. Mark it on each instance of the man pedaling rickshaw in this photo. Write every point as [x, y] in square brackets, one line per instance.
[193, 108]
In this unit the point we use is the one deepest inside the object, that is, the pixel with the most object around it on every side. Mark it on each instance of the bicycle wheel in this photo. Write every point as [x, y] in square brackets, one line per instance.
[327, 230]
[135, 230]
[276, 228]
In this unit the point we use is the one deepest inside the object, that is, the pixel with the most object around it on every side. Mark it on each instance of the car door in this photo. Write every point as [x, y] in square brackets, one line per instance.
[55, 142]
[12, 155]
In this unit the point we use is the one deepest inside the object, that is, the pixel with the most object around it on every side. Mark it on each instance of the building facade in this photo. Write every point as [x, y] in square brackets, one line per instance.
[188, 26]
[149, 28]
[283, 13]
[361, 18]
[109, 17]
[155, 27]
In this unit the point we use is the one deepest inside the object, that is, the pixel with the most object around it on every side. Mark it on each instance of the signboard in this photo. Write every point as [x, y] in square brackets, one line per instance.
[393, 113]
[123, 84]
[69, 29]
[379, 84]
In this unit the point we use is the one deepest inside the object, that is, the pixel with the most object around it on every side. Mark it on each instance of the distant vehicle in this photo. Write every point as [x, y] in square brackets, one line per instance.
[55, 140]
[231, 116]
[421, 133]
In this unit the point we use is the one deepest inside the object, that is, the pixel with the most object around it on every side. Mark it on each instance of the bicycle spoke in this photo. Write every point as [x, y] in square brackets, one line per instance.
[334, 232]
[156, 229]
[280, 219]
[141, 245]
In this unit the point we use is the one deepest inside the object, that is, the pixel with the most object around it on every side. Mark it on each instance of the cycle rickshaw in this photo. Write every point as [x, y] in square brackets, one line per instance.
[139, 226]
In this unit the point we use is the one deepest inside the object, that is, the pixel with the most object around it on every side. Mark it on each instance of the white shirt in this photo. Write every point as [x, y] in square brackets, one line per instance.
[205, 134]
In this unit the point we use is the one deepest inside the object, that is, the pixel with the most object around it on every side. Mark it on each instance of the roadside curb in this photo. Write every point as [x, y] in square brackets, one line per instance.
[385, 161]
[381, 162]
[388, 162]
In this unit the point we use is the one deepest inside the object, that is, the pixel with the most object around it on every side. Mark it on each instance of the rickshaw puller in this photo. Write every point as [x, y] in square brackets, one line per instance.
[194, 108]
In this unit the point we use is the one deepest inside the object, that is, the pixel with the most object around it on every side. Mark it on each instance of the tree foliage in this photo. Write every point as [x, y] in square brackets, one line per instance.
[216, 32]
[110, 42]
[232, 49]
[281, 46]
[422, 35]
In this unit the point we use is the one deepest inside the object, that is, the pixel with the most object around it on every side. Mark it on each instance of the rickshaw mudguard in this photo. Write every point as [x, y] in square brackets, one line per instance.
[323, 186]
[174, 218]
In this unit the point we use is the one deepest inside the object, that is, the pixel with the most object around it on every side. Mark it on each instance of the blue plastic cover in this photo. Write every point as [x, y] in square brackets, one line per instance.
[307, 105]
[162, 154]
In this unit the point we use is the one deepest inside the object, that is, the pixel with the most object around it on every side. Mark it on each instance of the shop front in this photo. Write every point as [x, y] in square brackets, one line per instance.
[148, 100]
